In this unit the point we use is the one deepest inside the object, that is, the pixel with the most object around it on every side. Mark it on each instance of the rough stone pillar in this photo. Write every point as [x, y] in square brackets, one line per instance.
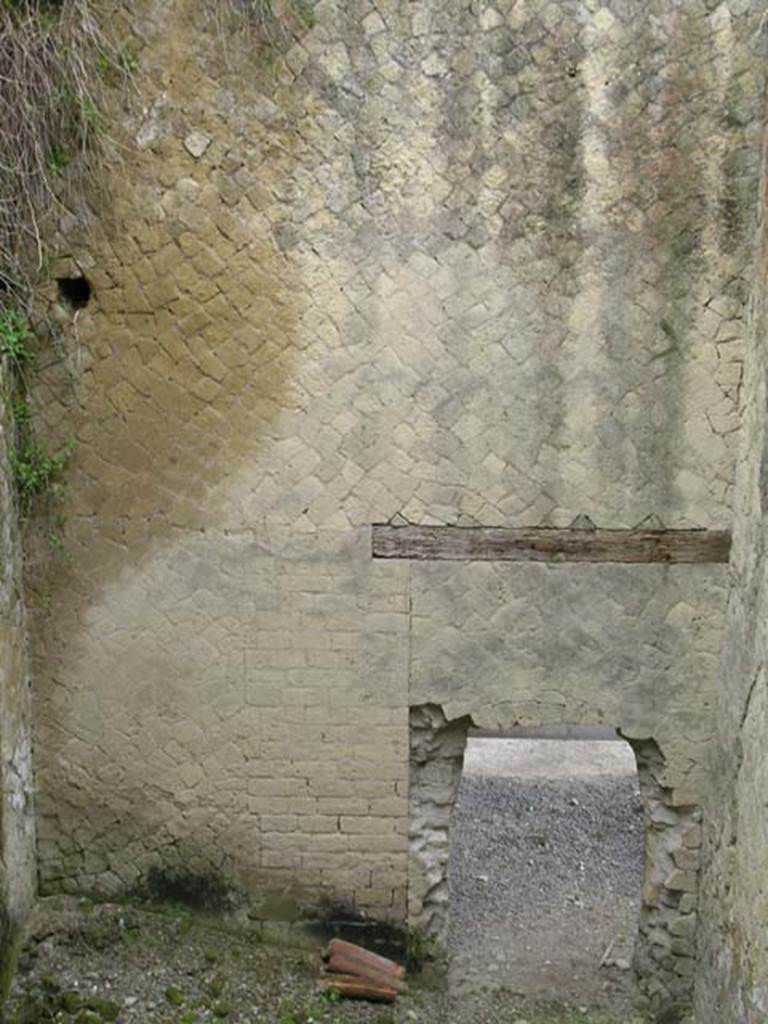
[437, 758]
[665, 949]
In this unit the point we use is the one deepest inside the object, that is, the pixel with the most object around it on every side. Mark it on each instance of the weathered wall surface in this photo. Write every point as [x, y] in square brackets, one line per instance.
[17, 834]
[635, 647]
[733, 982]
[451, 262]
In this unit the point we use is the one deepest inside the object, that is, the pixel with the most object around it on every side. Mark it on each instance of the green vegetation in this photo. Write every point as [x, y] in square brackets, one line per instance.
[114, 64]
[49, 1003]
[58, 62]
[35, 470]
[175, 996]
[216, 987]
[420, 949]
[105, 1009]
[15, 338]
[131, 936]
[317, 1009]
[72, 1001]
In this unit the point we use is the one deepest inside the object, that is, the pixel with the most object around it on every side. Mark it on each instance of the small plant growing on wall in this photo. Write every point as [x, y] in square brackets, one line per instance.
[15, 338]
[36, 472]
[420, 949]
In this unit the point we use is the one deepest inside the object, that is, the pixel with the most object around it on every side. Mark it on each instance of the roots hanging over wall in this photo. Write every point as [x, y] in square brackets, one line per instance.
[58, 64]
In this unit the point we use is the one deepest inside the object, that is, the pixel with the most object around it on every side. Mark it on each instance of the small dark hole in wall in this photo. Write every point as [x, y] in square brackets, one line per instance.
[75, 291]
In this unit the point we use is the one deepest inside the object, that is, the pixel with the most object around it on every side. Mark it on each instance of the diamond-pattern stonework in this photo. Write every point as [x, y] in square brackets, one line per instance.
[542, 645]
[457, 262]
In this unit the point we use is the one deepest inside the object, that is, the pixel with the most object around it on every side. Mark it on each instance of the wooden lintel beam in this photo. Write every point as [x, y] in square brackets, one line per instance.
[501, 544]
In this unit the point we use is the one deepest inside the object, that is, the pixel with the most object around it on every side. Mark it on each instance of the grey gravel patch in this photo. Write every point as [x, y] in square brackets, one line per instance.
[544, 876]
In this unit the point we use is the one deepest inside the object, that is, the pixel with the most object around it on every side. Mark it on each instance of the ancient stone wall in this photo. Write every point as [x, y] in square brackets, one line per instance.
[17, 833]
[445, 263]
[733, 982]
[437, 759]
[633, 647]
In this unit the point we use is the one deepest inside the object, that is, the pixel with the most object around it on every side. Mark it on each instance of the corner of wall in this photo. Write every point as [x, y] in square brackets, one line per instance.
[17, 828]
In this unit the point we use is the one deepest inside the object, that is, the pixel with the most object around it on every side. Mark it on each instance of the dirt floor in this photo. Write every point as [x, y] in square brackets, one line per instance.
[545, 871]
[112, 964]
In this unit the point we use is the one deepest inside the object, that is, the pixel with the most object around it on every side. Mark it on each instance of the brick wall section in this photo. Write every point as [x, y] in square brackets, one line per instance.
[273, 751]
[636, 648]
[475, 264]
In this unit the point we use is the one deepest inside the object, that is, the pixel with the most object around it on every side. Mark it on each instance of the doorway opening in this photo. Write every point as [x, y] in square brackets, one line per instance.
[546, 864]
[536, 866]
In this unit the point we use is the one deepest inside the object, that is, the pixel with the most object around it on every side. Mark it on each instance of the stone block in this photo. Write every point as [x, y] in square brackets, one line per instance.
[684, 927]
[683, 947]
[682, 881]
[687, 860]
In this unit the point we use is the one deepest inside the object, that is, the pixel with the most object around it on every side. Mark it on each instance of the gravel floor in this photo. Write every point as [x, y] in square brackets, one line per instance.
[545, 876]
[545, 873]
[546, 870]
[109, 963]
